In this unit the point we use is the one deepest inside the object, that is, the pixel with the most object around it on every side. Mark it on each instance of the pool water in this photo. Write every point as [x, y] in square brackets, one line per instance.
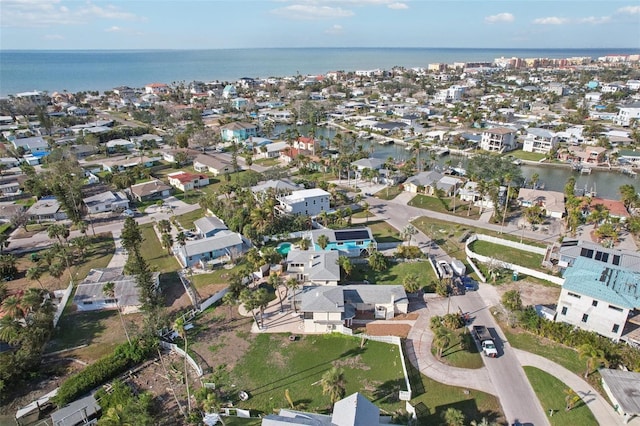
[284, 248]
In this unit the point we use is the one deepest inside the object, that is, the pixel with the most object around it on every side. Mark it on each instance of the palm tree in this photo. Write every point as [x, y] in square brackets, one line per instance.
[507, 178]
[534, 180]
[179, 326]
[366, 209]
[409, 231]
[230, 300]
[9, 329]
[109, 290]
[453, 417]
[593, 355]
[167, 242]
[292, 284]
[333, 384]
[571, 399]
[441, 340]
[274, 281]
[35, 273]
[323, 241]
[13, 308]
[346, 265]
[181, 238]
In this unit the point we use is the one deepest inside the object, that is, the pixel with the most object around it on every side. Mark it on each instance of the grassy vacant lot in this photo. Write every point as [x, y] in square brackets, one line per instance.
[455, 356]
[508, 254]
[383, 232]
[273, 364]
[437, 397]
[217, 276]
[531, 156]
[394, 274]
[551, 393]
[98, 255]
[157, 256]
[187, 219]
[389, 193]
[445, 205]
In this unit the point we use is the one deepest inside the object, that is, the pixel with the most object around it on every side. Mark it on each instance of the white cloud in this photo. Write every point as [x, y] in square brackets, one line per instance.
[53, 37]
[595, 20]
[500, 17]
[629, 10]
[551, 20]
[398, 6]
[312, 12]
[334, 30]
[114, 29]
[38, 13]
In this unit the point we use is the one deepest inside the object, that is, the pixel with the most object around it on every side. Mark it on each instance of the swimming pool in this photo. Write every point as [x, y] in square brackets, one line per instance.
[283, 248]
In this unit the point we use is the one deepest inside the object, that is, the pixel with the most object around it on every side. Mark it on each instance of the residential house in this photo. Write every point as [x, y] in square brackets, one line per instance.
[351, 242]
[239, 103]
[551, 202]
[211, 164]
[627, 113]
[629, 156]
[209, 226]
[106, 202]
[229, 92]
[224, 246]
[90, 295]
[310, 202]
[564, 254]
[119, 145]
[147, 137]
[35, 145]
[122, 164]
[46, 209]
[277, 187]
[152, 190]
[124, 92]
[354, 410]
[583, 154]
[238, 131]
[9, 210]
[541, 141]
[156, 89]
[498, 139]
[367, 163]
[616, 208]
[187, 181]
[598, 297]
[314, 268]
[170, 155]
[326, 309]
[272, 150]
[430, 181]
[470, 192]
[621, 387]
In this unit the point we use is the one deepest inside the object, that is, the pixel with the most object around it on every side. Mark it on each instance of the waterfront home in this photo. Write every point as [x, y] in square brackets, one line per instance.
[238, 131]
[156, 89]
[90, 295]
[272, 150]
[629, 156]
[565, 253]
[211, 164]
[541, 141]
[598, 297]
[222, 247]
[367, 163]
[626, 113]
[430, 181]
[209, 226]
[46, 209]
[351, 242]
[310, 202]
[582, 154]
[152, 190]
[498, 139]
[277, 187]
[187, 181]
[106, 202]
[326, 309]
[615, 208]
[313, 267]
[551, 202]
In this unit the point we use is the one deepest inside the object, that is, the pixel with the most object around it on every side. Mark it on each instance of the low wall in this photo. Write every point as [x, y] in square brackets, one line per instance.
[476, 270]
[182, 353]
[514, 267]
[213, 299]
[63, 303]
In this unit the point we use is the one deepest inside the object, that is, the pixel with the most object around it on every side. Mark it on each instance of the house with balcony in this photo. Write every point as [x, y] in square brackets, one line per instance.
[222, 247]
[314, 268]
[351, 242]
[541, 141]
[156, 89]
[583, 154]
[107, 201]
[326, 309]
[187, 181]
[238, 131]
[627, 113]
[498, 139]
[310, 202]
[598, 297]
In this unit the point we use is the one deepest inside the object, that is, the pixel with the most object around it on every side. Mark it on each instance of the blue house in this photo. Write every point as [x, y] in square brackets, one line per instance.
[238, 131]
[35, 145]
[223, 247]
[351, 242]
[209, 226]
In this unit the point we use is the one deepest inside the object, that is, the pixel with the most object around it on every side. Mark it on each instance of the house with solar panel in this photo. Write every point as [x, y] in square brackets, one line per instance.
[352, 242]
[601, 297]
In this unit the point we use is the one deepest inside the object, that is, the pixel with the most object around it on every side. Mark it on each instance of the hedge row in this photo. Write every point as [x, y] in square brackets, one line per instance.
[106, 368]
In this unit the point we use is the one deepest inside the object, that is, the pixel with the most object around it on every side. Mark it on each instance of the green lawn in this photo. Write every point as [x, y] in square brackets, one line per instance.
[508, 254]
[217, 276]
[389, 193]
[383, 232]
[445, 205]
[274, 364]
[189, 197]
[267, 162]
[394, 274]
[158, 258]
[455, 356]
[530, 156]
[437, 397]
[187, 219]
[98, 254]
[551, 393]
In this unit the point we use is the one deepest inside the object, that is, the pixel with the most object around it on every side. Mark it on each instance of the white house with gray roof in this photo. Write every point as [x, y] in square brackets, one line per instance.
[46, 209]
[541, 141]
[316, 268]
[597, 296]
[310, 202]
[430, 180]
[106, 202]
[622, 389]
[326, 309]
[353, 410]
[220, 248]
[209, 226]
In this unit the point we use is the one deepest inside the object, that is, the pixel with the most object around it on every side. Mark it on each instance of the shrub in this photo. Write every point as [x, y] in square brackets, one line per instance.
[512, 301]
[409, 252]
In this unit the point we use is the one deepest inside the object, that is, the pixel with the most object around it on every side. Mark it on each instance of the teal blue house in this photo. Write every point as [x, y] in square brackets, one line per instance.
[238, 131]
[352, 242]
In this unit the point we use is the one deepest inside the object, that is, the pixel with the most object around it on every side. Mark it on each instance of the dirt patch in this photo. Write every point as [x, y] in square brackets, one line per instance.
[412, 316]
[532, 293]
[351, 363]
[400, 330]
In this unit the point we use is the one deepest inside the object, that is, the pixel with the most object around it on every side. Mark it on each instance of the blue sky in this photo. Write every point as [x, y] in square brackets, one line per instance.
[216, 24]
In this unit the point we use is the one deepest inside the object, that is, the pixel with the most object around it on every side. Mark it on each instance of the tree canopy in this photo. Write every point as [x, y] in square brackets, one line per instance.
[489, 168]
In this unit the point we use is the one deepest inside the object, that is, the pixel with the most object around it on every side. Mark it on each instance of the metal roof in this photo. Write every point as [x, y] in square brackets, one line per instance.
[625, 388]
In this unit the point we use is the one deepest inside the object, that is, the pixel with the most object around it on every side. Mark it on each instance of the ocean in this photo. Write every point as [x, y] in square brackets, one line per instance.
[101, 70]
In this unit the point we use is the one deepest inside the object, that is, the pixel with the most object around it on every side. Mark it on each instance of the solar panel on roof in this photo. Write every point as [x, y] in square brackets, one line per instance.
[351, 235]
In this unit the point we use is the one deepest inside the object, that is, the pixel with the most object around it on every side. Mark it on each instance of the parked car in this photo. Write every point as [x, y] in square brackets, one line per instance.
[129, 213]
[469, 284]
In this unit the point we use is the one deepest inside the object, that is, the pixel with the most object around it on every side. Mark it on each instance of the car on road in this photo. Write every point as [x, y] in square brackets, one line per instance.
[129, 213]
